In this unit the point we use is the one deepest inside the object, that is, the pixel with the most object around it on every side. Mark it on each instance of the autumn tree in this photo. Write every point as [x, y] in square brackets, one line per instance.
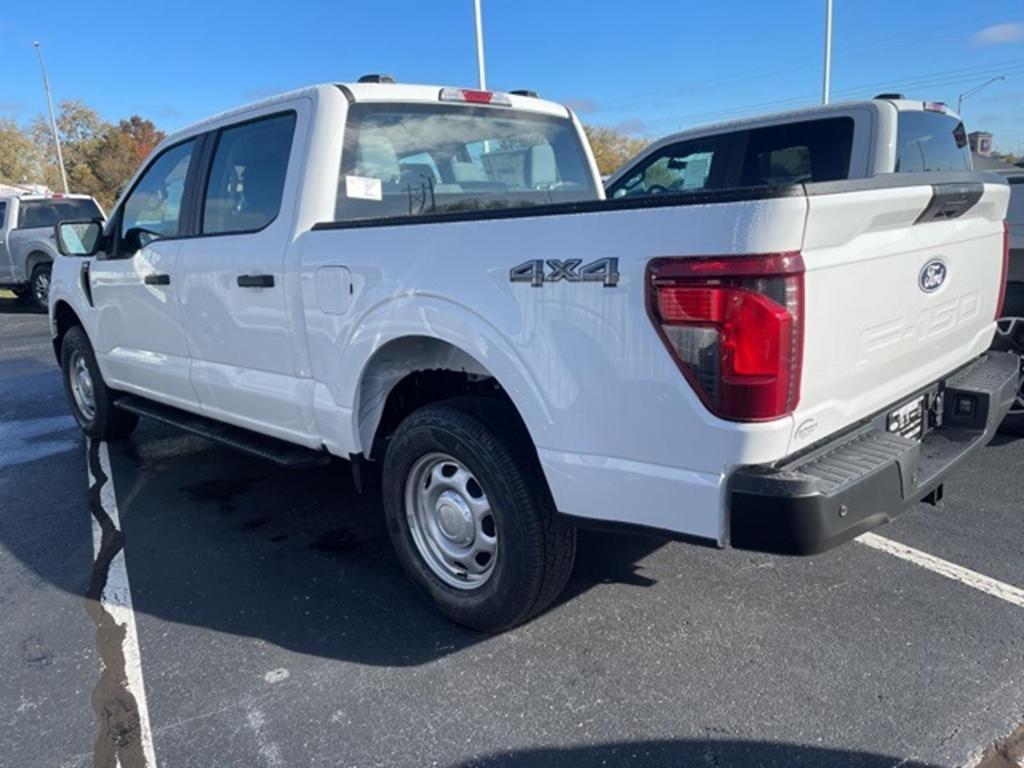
[611, 148]
[99, 157]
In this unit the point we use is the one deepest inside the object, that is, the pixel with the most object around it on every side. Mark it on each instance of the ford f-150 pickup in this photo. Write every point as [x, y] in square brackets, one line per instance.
[428, 281]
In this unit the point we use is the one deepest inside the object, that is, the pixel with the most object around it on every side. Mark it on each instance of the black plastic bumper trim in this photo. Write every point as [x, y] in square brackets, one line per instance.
[861, 479]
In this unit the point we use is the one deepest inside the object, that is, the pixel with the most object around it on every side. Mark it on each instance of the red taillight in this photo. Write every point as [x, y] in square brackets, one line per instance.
[1006, 270]
[734, 325]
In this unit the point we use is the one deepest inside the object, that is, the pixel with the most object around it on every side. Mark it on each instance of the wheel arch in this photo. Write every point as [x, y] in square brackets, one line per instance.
[64, 319]
[408, 372]
[36, 257]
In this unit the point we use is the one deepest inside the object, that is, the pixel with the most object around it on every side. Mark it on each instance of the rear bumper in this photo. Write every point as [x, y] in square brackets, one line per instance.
[865, 477]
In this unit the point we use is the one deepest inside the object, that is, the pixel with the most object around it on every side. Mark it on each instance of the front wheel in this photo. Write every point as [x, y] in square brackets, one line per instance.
[91, 402]
[471, 517]
[39, 285]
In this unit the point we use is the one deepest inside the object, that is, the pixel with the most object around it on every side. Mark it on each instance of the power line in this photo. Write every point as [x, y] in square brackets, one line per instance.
[802, 63]
[932, 80]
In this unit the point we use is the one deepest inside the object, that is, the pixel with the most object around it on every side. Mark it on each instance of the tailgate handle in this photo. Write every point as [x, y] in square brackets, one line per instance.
[157, 279]
[950, 201]
[255, 281]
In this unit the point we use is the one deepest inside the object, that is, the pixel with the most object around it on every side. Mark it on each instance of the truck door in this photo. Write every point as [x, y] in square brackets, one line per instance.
[140, 341]
[235, 296]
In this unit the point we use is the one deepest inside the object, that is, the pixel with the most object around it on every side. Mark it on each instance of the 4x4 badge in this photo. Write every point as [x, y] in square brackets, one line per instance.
[604, 271]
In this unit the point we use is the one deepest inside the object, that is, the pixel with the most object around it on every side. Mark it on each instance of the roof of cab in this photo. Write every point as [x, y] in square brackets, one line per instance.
[774, 118]
[362, 92]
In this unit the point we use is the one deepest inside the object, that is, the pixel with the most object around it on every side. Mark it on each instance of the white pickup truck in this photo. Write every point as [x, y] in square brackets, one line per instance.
[27, 244]
[428, 280]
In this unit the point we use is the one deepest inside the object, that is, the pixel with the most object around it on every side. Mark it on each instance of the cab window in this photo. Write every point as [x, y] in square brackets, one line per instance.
[416, 159]
[931, 141]
[247, 177]
[153, 207]
[36, 214]
[794, 153]
[683, 167]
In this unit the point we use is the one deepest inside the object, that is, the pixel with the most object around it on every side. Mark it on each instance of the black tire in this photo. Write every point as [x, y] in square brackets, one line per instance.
[107, 422]
[1011, 339]
[39, 285]
[536, 548]
[1013, 425]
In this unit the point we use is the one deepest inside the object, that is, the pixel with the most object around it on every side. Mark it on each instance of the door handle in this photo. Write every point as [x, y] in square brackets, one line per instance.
[255, 281]
[157, 280]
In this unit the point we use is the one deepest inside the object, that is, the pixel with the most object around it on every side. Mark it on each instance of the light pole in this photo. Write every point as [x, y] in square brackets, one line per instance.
[828, 52]
[480, 47]
[967, 94]
[53, 119]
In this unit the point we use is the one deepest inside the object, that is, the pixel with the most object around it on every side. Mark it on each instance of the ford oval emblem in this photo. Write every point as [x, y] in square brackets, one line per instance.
[933, 275]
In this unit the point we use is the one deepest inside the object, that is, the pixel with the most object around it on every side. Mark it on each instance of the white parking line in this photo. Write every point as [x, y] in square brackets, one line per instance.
[1008, 592]
[116, 600]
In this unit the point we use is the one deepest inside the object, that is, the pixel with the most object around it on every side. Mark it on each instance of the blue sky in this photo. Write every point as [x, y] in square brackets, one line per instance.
[648, 66]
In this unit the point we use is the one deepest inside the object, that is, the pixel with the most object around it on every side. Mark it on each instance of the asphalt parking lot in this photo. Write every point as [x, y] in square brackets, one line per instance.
[272, 625]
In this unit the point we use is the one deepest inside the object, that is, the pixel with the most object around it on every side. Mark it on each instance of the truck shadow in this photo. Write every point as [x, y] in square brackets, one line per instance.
[217, 539]
[11, 305]
[683, 753]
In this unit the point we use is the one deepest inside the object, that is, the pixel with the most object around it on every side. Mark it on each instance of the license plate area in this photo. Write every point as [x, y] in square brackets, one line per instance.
[909, 419]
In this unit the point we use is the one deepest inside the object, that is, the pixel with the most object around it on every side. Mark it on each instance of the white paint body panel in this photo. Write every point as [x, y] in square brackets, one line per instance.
[620, 434]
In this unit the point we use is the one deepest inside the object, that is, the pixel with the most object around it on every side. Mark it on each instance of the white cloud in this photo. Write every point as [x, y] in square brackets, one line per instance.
[998, 34]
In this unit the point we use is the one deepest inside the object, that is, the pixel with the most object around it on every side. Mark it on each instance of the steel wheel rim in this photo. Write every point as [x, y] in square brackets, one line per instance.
[451, 521]
[1012, 329]
[41, 286]
[82, 388]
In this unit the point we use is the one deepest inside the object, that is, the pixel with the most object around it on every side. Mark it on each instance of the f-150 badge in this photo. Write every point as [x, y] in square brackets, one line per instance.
[536, 272]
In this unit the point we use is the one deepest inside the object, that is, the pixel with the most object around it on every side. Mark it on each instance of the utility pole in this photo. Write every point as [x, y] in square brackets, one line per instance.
[828, 52]
[53, 118]
[967, 94]
[481, 76]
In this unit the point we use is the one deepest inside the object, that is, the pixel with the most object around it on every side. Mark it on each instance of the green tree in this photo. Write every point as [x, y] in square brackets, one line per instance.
[20, 159]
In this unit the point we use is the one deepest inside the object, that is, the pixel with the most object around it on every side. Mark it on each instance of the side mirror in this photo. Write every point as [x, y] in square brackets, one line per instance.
[79, 238]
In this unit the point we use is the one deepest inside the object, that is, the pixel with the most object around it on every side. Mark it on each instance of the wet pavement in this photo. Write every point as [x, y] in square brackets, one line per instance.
[275, 627]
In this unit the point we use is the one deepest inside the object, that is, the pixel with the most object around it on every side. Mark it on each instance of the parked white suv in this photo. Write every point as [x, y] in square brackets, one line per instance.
[27, 245]
[427, 278]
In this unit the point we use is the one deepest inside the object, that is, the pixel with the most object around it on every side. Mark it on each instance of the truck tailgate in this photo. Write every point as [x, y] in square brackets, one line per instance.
[901, 288]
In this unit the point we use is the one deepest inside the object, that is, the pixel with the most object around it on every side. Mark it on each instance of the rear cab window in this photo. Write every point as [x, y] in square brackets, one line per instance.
[34, 214]
[931, 141]
[402, 160]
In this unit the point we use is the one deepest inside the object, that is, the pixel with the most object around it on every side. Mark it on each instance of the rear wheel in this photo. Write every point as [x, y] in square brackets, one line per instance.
[471, 517]
[40, 285]
[91, 402]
